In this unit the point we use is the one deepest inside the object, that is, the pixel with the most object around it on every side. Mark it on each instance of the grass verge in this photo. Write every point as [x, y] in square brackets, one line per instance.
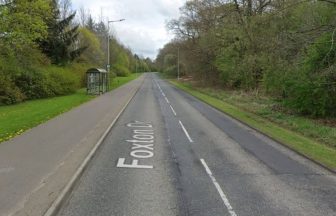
[319, 152]
[119, 81]
[15, 119]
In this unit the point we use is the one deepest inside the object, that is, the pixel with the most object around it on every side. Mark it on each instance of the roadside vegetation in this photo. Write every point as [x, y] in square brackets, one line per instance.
[304, 135]
[46, 48]
[119, 81]
[16, 119]
[285, 49]
[320, 129]
[271, 64]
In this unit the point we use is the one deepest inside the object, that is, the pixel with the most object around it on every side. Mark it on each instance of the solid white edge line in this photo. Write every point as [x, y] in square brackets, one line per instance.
[186, 132]
[219, 189]
[173, 110]
[56, 205]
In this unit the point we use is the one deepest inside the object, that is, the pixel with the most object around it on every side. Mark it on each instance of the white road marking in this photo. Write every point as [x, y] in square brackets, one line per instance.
[219, 189]
[186, 132]
[165, 97]
[160, 89]
[172, 109]
[6, 170]
[157, 84]
[167, 100]
[135, 164]
[142, 145]
[163, 94]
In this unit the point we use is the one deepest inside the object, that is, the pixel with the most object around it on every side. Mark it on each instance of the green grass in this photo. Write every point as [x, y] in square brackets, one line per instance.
[320, 130]
[293, 138]
[119, 81]
[15, 119]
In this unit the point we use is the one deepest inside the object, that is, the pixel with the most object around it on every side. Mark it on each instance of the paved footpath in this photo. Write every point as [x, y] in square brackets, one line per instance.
[35, 166]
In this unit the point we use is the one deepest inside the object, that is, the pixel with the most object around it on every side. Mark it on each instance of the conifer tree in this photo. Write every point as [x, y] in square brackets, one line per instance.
[90, 24]
[60, 45]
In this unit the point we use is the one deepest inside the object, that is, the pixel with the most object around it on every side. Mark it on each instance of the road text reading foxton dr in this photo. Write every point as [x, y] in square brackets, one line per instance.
[142, 146]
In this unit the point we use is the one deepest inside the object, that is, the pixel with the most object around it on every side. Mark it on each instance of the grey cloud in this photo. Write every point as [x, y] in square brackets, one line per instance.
[144, 29]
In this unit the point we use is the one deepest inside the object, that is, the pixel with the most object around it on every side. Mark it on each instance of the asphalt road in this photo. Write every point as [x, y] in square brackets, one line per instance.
[170, 154]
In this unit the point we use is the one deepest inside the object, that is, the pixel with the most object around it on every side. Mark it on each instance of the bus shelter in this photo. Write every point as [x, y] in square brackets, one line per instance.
[97, 81]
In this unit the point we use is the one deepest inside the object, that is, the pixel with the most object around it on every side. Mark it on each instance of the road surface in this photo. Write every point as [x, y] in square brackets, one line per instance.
[170, 154]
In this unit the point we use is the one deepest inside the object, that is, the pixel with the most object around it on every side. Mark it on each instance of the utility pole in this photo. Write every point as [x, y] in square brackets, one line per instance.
[178, 63]
[136, 66]
[108, 66]
[136, 57]
[108, 56]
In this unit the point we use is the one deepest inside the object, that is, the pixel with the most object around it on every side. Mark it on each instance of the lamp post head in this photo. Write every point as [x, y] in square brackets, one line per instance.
[111, 21]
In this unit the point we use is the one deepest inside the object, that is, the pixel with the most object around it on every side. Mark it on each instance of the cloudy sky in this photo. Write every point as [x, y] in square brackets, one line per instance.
[144, 30]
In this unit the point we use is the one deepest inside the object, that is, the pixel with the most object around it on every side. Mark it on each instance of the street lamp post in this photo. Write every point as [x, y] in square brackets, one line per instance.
[178, 63]
[108, 49]
[136, 63]
[136, 66]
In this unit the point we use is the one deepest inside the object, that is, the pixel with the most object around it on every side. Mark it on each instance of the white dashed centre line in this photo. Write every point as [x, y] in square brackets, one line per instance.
[167, 100]
[207, 169]
[186, 132]
[165, 97]
[172, 110]
[219, 189]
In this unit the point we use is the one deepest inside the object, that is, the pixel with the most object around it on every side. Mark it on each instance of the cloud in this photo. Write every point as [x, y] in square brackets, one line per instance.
[144, 29]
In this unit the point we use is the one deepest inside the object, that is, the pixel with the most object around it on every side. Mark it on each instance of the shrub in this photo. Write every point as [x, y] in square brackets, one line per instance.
[171, 71]
[61, 81]
[9, 92]
[80, 71]
[312, 94]
[47, 82]
[312, 89]
[120, 70]
[275, 73]
[33, 84]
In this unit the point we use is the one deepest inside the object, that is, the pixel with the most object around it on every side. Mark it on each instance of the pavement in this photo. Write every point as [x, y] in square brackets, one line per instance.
[171, 154]
[36, 166]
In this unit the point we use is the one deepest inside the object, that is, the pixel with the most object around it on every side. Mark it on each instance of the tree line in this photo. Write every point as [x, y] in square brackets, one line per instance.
[285, 49]
[46, 48]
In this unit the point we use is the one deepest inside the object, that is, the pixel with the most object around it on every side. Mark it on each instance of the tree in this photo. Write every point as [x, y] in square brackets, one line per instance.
[65, 8]
[60, 45]
[90, 24]
[93, 54]
[22, 23]
[83, 16]
[283, 48]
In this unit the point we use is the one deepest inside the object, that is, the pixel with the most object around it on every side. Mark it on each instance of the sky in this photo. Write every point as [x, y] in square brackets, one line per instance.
[144, 30]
